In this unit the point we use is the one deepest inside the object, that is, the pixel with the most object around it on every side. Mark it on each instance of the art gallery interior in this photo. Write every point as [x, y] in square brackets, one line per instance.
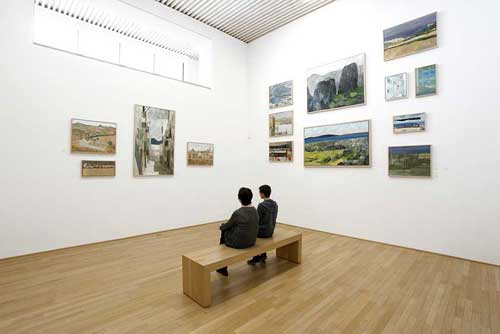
[128, 128]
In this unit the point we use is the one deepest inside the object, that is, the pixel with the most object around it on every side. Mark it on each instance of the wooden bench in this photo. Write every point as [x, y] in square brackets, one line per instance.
[197, 266]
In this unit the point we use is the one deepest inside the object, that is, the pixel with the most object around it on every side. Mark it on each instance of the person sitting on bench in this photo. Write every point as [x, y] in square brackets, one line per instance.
[268, 212]
[240, 231]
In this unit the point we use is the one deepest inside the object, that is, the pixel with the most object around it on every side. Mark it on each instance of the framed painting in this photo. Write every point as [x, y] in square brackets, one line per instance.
[281, 151]
[154, 141]
[336, 85]
[409, 123]
[338, 145]
[425, 81]
[92, 168]
[411, 37]
[396, 87]
[281, 95]
[93, 137]
[281, 124]
[411, 161]
[200, 154]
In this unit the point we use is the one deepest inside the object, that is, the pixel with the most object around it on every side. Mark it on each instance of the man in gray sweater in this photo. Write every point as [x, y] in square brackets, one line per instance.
[268, 213]
[240, 231]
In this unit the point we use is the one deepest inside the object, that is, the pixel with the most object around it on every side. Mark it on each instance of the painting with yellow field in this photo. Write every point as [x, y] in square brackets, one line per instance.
[93, 137]
[411, 37]
[98, 168]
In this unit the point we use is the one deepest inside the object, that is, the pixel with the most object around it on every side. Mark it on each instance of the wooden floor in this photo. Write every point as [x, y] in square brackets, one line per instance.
[343, 285]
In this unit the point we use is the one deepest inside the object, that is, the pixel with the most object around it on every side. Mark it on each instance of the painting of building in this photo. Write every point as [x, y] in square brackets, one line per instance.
[154, 134]
[413, 161]
[336, 85]
[200, 154]
[93, 137]
[281, 124]
[409, 123]
[281, 151]
[98, 168]
[281, 95]
[338, 145]
[411, 37]
[396, 87]
[425, 81]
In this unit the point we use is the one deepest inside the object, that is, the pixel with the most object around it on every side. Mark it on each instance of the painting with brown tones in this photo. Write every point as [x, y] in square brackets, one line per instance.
[93, 137]
[98, 168]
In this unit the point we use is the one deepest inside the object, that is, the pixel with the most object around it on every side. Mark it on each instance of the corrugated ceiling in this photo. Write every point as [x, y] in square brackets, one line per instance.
[246, 20]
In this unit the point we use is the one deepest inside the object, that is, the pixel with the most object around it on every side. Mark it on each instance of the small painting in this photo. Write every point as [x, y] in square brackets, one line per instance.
[281, 124]
[281, 151]
[338, 145]
[98, 168]
[412, 161]
[411, 37]
[425, 81]
[93, 137]
[409, 123]
[396, 87]
[200, 154]
[154, 134]
[281, 95]
[336, 85]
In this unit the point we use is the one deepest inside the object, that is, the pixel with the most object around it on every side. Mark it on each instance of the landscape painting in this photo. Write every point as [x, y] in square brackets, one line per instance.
[154, 134]
[93, 137]
[200, 154]
[339, 145]
[396, 87]
[413, 161]
[336, 85]
[425, 81]
[411, 37]
[281, 151]
[409, 123]
[98, 168]
[281, 124]
[281, 95]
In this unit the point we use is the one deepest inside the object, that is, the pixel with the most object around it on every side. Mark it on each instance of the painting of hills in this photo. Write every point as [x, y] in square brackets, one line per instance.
[411, 37]
[414, 161]
[281, 95]
[409, 123]
[338, 145]
[93, 137]
[336, 85]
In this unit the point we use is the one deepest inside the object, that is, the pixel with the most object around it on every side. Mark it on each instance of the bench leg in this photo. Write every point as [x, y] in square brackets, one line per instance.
[196, 282]
[291, 252]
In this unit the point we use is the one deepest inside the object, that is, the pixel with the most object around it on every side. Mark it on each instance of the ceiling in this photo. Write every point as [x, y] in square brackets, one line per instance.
[245, 20]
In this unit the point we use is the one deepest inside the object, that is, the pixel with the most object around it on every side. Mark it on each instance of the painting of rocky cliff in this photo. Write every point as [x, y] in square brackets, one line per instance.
[281, 95]
[154, 133]
[336, 85]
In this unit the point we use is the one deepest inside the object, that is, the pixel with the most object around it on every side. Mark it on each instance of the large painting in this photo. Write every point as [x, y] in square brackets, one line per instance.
[281, 124]
[200, 154]
[336, 85]
[154, 133]
[396, 87]
[281, 151]
[425, 81]
[411, 37]
[339, 145]
[281, 95]
[409, 123]
[93, 137]
[413, 161]
[98, 168]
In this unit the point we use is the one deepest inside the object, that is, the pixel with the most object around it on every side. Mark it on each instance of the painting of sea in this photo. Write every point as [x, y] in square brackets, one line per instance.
[281, 124]
[200, 154]
[98, 168]
[338, 145]
[281, 151]
[281, 95]
[411, 37]
[93, 137]
[409, 123]
[154, 134]
[336, 85]
[413, 161]
[425, 81]
[396, 87]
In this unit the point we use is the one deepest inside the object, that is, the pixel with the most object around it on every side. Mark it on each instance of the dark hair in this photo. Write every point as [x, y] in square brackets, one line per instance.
[265, 190]
[245, 196]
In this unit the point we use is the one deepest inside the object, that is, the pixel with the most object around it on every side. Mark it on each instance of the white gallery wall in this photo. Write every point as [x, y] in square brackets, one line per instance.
[457, 211]
[45, 204]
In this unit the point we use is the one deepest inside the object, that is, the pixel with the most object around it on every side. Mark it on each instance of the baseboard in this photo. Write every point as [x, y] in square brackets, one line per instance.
[392, 245]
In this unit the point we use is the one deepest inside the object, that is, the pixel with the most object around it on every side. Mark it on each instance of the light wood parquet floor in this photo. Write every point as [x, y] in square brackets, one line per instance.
[343, 285]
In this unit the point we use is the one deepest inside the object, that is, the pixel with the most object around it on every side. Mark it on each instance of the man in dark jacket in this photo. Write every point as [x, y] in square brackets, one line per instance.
[240, 231]
[268, 212]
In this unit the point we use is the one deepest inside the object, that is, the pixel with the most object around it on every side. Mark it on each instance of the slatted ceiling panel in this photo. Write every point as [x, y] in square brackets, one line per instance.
[246, 20]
